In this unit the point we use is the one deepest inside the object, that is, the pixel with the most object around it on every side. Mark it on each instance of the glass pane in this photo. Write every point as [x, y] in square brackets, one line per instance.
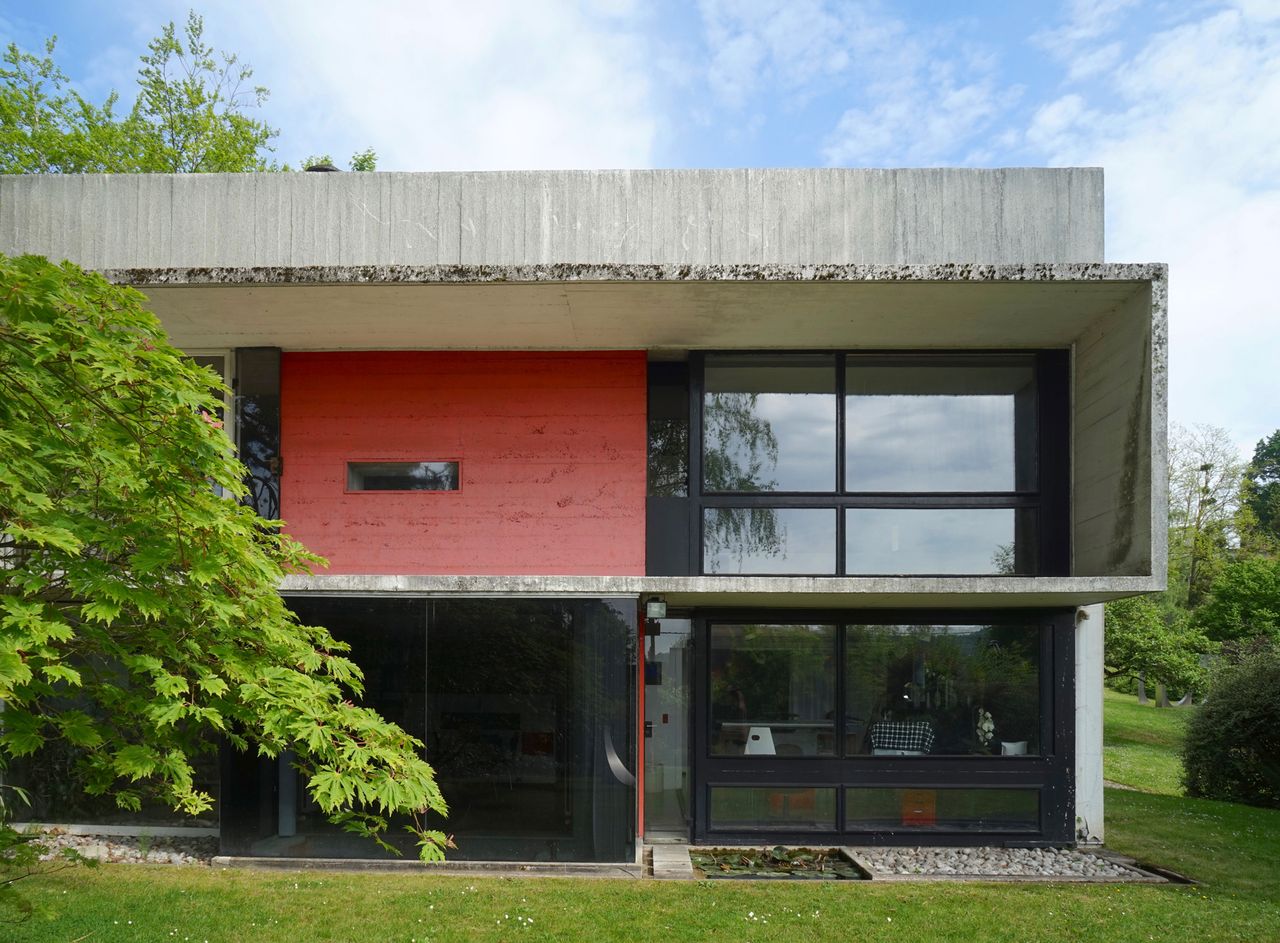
[773, 690]
[939, 427]
[668, 430]
[769, 540]
[964, 541]
[668, 662]
[912, 690]
[943, 810]
[525, 707]
[769, 423]
[530, 726]
[402, 476]
[772, 807]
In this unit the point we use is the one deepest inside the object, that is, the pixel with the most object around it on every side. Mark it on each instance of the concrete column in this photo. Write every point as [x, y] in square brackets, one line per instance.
[1089, 670]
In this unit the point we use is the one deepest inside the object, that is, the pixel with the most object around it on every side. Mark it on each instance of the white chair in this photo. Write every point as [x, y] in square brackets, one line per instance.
[760, 742]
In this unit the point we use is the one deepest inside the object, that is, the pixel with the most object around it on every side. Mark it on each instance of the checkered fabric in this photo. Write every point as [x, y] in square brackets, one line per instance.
[902, 735]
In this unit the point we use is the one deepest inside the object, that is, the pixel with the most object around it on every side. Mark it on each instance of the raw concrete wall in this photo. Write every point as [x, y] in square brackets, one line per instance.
[537, 217]
[1118, 486]
[1090, 625]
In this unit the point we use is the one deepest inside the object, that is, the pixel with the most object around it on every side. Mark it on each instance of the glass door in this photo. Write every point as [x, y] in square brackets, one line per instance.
[668, 689]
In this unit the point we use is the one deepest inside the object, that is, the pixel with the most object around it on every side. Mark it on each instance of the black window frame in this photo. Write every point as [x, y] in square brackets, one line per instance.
[1049, 501]
[1051, 772]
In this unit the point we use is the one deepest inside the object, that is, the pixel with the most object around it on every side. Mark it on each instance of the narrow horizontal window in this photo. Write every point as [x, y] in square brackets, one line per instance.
[758, 809]
[403, 476]
[942, 810]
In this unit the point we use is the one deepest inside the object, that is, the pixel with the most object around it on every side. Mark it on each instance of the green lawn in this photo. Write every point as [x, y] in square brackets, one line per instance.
[1231, 849]
[1141, 744]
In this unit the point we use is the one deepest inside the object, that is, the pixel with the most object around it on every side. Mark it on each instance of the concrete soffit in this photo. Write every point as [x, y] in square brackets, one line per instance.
[608, 306]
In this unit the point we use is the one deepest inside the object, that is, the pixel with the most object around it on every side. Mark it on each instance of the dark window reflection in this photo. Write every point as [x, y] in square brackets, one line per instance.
[403, 476]
[772, 690]
[963, 541]
[769, 540]
[945, 810]
[939, 427]
[769, 423]
[953, 689]
[525, 709]
[772, 807]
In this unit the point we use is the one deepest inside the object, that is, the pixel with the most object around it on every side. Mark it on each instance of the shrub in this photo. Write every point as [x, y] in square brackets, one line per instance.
[1232, 750]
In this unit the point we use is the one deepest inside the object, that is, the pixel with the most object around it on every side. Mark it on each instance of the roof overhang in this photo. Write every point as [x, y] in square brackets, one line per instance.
[624, 307]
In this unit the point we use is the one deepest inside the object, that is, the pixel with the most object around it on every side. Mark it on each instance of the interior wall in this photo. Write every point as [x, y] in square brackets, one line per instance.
[551, 448]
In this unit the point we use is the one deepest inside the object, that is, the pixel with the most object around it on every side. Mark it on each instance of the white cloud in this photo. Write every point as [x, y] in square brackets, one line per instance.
[920, 119]
[794, 47]
[1190, 142]
[913, 96]
[478, 86]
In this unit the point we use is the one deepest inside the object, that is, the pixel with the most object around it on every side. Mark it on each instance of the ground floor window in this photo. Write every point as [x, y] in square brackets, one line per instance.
[884, 725]
[526, 710]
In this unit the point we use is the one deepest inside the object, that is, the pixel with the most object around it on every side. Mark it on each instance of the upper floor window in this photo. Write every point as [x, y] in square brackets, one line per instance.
[878, 464]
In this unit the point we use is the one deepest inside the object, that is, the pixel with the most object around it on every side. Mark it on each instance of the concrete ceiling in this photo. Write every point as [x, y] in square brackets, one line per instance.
[673, 315]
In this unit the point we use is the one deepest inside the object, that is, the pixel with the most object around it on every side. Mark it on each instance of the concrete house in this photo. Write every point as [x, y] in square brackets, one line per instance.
[679, 505]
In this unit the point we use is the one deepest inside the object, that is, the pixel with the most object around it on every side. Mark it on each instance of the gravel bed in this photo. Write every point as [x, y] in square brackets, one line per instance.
[196, 850]
[1014, 862]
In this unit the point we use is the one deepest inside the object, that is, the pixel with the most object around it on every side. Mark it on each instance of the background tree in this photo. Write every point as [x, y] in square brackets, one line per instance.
[1244, 601]
[191, 114]
[1141, 643]
[47, 127]
[138, 607]
[362, 161]
[1261, 497]
[1204, 487]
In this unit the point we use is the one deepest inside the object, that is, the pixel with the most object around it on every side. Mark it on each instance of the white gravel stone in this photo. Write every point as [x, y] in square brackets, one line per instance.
[197, 850]
[1039, 862]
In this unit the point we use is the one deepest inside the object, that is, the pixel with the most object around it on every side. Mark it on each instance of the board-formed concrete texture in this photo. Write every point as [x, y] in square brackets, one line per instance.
[669, 260]
[537, 217]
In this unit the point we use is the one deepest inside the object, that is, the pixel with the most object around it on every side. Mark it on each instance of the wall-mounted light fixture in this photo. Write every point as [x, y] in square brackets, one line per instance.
[655, 607]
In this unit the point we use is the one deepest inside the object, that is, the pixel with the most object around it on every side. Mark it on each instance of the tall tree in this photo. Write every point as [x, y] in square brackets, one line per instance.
[1140, 643]
[1244, 602]
[1261, 497]
[1204, 488]
[191, 114]
[190, 111]
[138, 605]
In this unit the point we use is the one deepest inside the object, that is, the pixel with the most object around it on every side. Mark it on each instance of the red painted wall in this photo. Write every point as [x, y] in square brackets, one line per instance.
[551, 445]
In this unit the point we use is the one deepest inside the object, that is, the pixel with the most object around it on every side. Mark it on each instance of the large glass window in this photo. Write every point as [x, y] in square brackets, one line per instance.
[876, 464]
[769, 540]
[909, 690]
[773, 690]
[769, 423]
[939, 541]
[916, 690]
[525, 708]
[939, 426]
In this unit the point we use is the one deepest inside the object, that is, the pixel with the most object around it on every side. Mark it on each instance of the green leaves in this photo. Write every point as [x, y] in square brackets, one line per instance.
[139, 612]
[189, 117]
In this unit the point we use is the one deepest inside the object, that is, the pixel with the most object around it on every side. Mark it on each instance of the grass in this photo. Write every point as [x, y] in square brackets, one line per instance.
[1141, 743]
[1230, 848]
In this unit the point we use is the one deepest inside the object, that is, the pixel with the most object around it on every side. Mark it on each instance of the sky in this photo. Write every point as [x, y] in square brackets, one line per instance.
[1178, 101]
